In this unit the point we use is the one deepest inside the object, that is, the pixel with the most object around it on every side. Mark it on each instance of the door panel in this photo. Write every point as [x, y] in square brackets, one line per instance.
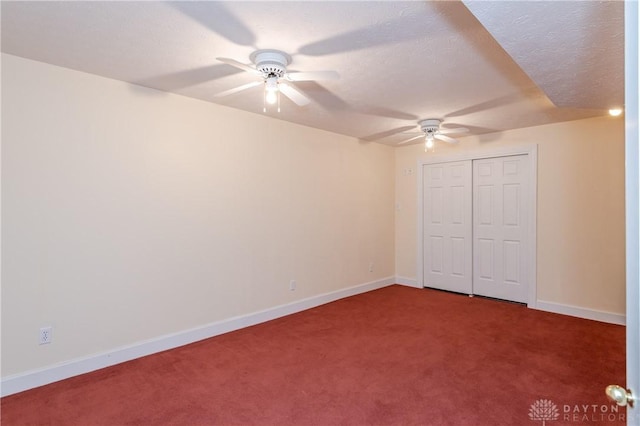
[457, 256]
[436, 254]
[511, 250]
[447, 226]
[484, 201]
[484, 258]
[511, 205]
[500, 227]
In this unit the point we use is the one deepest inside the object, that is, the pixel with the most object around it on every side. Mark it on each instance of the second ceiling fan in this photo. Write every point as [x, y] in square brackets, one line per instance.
[270, 66]
[430, 130]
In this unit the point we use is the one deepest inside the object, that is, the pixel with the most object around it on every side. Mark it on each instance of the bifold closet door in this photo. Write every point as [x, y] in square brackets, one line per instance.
[500, 218]
[447, 224]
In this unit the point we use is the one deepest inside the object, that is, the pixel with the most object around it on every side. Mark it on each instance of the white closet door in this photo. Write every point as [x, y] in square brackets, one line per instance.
[500, 215]
[447, 244]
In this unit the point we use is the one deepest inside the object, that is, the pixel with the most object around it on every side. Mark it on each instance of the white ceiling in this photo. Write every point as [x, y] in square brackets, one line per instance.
[488, 66]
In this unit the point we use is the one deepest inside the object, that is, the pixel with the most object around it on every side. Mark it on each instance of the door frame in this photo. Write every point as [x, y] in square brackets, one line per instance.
[632, 204]
[531, 150]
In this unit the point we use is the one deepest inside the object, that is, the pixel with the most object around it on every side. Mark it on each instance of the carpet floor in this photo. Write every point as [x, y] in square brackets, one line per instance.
[394, 356]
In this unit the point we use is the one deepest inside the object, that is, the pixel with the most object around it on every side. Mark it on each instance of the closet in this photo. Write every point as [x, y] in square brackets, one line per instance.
[476, 222]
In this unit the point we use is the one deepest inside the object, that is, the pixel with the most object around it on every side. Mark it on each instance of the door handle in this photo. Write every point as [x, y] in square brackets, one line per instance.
[620, 395]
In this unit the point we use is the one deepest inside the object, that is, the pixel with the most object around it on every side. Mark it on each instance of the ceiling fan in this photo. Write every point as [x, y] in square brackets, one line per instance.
[430, 130]
[271, 67]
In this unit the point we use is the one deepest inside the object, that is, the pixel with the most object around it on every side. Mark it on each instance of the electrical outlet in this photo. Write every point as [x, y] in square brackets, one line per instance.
[46, 335]
[370, 266]
[292, 285]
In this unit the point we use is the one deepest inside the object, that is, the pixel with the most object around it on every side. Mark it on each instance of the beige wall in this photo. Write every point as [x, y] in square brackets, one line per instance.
[129, 213]
[580, 217]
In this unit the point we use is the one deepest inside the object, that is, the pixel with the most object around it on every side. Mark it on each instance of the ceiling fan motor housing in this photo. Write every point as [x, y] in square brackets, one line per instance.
[271, 63]
[430, 126]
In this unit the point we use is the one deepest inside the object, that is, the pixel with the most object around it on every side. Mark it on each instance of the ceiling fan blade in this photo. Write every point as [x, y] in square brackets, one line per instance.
[187, 78]
[387, 113]
[386, 133]
[215, 16]
[409, 140]
[501, 102]
[312, 75]
[413, 132]
[243, 67]
[238, 89]
[445, 138]
[452, 131]
[392, 31]
[323, 97]
[294, 94]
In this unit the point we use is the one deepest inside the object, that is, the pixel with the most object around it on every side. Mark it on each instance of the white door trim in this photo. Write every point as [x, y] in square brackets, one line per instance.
[531, 150]
[632, 204]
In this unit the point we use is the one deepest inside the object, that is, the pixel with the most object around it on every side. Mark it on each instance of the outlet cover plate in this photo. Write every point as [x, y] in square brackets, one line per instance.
[46, 335]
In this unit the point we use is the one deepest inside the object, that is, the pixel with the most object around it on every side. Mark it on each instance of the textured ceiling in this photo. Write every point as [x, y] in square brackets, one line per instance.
[488, 66]
[574, 52]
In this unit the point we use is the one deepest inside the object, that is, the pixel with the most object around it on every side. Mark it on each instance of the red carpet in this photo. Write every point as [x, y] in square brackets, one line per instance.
[395, 356]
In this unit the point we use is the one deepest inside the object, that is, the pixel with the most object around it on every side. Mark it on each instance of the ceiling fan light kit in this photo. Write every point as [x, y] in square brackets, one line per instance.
[271, 93]
[429, 127]
[428, 143]
[272, 64]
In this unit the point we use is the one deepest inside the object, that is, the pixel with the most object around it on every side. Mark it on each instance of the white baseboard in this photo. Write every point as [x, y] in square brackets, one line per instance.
[31, 379]
[576, 311]
[410, 282]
